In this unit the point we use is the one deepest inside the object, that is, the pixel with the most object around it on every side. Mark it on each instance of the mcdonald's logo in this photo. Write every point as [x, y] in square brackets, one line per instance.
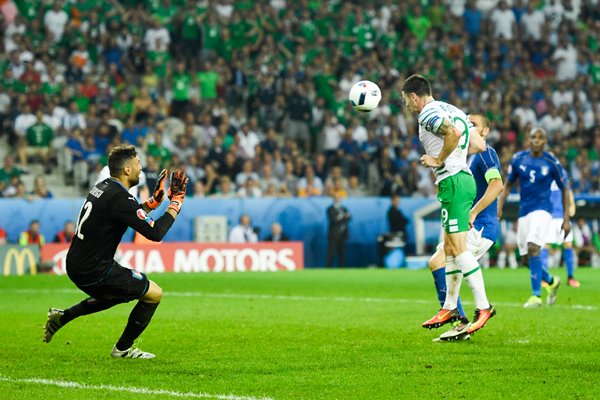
[23, 258]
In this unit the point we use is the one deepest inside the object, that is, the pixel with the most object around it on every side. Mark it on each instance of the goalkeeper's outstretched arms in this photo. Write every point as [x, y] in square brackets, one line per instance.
[135, 215]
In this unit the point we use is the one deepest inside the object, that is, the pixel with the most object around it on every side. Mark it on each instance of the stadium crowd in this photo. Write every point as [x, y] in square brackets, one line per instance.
[250, 97]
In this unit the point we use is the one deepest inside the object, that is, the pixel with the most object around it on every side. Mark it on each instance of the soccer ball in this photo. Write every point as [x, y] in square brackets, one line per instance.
[365, 96]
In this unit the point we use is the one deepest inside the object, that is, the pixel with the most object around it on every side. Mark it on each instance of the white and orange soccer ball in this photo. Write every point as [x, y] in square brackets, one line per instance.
[365, 96]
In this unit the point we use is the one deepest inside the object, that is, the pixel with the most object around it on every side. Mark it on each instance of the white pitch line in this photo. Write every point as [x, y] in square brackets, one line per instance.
[128, 389]
[257, 296]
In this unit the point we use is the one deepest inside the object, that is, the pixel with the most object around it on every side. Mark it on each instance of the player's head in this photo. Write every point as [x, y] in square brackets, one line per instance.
[537, 140]
[415, 92]
[481, 123]
[124, 164]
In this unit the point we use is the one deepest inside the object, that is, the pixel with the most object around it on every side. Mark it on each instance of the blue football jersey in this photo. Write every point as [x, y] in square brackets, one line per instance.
[482, 166]
[556, 196]
[535, 175]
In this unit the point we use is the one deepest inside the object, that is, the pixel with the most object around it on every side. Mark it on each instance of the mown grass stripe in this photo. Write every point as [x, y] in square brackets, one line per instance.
[128, 389]
[259, 296]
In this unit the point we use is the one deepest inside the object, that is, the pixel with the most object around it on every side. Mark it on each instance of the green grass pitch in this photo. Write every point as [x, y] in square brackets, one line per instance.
[314, 334]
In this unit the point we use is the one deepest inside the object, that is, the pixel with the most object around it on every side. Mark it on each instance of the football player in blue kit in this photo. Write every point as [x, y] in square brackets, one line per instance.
[486, 169]
[535, 170]
[555, 234]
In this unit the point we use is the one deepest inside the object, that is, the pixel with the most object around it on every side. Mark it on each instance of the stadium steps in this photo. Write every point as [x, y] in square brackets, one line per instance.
[54, 182]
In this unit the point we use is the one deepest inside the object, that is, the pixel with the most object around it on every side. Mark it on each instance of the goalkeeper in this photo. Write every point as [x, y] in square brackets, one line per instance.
[104, 217]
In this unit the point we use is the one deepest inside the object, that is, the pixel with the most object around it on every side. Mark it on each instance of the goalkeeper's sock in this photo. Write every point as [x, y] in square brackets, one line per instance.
[439, 279]
[88, 306]
[471, 271]
[138, 321]
[569, 256]
[535, 274]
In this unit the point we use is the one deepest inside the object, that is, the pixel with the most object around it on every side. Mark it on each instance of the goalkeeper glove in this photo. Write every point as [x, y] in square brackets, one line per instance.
[177, 189]
[159, 193]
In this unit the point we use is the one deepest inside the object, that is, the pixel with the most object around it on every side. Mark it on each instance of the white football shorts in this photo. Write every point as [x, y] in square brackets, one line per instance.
[556, 234]
[476, 244]
[533, 228]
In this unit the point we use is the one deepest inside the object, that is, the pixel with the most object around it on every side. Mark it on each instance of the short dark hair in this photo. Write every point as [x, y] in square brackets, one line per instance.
[418, 85]
[118, 157]
[538, 128]
[485, 120]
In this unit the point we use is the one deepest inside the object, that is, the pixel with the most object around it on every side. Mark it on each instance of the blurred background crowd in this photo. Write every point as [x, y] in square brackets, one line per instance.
[250, 97]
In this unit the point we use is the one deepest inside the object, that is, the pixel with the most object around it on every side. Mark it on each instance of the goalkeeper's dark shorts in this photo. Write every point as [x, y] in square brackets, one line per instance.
[118, 284]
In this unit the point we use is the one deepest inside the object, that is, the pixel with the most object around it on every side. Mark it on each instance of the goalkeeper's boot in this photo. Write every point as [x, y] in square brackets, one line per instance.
[53, 324]
[481, 318]
[442, 317]
[553, 290]
[458, 331]
[132, 352]
[533, 302]
[574, 283]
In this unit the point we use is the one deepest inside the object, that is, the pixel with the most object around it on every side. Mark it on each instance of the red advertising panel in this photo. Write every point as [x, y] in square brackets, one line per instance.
[196, 257]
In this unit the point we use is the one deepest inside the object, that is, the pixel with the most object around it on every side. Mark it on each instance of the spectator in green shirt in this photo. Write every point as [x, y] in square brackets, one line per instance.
[29, 8]
[123, 106]
[9, 170]
[190, 33]
[594, 69]
[160, 59]
[211, 39]
[365, 33]
[225, 46]
[37, 142]
[181, 82]
[208, 80]
[156, 149]
[418, 24]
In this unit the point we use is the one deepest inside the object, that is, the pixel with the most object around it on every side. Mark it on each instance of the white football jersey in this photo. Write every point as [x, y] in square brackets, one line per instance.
[134, 190]
[430, 120]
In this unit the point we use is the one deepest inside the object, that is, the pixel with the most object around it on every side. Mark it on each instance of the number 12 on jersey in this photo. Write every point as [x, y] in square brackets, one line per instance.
[84, 214]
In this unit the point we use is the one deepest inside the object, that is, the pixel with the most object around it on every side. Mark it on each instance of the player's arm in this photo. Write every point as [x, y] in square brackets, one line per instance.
[495, 187]
[451, 138]
[476, 143]
[566, 199]
[510, 183]
[502, 199]
[130, 212]
[561, 179]
[572, 206]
